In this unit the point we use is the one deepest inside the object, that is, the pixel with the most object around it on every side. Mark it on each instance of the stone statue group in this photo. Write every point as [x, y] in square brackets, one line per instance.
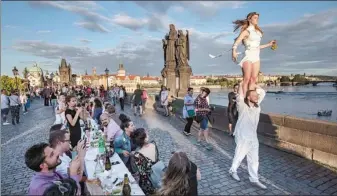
[176, 47]
[176, 60]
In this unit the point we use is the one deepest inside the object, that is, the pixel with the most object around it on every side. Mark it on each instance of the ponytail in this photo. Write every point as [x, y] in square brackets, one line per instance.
[242, 24]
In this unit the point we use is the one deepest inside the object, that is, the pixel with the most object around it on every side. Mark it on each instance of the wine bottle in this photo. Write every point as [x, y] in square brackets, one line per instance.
[126, 186]
[107, 161]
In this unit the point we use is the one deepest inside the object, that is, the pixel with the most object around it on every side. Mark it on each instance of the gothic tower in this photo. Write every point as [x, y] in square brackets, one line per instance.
[65, 72]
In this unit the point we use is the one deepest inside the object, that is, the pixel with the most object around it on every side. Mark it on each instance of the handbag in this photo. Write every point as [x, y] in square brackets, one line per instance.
[190, 113]
[198, 118]
[158, 170]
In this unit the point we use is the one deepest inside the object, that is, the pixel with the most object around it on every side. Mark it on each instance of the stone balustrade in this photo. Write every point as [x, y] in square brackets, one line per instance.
[313, 139]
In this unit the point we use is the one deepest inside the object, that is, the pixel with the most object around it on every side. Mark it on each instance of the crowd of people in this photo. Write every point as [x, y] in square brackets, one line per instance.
[13, 102]
[56, 165]
[132, 144]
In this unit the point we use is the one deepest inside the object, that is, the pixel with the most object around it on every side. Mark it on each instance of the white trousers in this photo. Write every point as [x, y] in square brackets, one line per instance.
[251, 149]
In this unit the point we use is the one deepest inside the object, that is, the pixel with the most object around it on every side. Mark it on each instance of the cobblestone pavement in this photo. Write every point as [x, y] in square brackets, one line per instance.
[33, 128]
[283, 173]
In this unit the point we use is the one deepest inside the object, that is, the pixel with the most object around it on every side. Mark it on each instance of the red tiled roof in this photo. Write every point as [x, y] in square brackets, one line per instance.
[149, 78]
[198, 77]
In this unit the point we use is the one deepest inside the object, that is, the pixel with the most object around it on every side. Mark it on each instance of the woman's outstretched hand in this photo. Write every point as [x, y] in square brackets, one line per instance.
[272, 42]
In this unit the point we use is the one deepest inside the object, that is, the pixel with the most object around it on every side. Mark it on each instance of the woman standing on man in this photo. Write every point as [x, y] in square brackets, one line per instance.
[250, 36]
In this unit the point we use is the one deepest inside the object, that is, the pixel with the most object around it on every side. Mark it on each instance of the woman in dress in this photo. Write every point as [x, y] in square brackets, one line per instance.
[145, 157]
[73, 118]
[250, 36]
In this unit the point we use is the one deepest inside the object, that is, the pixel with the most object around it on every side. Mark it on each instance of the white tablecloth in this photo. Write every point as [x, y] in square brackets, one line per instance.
[117, 171]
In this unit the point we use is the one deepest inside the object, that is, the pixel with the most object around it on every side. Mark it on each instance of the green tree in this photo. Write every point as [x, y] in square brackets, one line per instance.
[285, 79]
[210, 81]
[9, 83]
[299, 78]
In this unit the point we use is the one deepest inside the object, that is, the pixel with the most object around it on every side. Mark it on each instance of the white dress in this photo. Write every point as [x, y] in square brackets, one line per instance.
[252, 45]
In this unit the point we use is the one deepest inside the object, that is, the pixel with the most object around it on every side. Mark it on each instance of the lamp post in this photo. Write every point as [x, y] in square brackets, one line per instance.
[107, 81]
[52, 82]
[15, 73]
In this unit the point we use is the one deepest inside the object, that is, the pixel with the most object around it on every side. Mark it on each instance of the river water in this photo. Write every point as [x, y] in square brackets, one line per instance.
[299, 101]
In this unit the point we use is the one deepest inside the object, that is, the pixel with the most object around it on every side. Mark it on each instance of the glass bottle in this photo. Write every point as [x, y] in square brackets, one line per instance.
[107, 161]
[126, 186]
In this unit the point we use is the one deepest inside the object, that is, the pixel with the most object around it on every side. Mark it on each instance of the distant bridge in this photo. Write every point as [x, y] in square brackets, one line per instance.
[314, 83]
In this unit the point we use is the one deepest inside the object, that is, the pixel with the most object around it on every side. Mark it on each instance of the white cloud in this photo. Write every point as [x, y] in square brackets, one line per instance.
[178, 8]
[93, 26]
[200, 8]
[129, 22]
[85, 41]
[306, 43]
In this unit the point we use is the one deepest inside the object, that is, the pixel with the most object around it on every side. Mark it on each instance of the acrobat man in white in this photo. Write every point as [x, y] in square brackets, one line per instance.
[246, 133]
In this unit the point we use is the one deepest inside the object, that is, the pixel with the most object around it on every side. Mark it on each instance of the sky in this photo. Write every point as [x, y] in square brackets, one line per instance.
[103, 34]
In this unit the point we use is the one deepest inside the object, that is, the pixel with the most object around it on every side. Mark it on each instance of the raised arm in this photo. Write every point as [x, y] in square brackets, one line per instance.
[261, 92]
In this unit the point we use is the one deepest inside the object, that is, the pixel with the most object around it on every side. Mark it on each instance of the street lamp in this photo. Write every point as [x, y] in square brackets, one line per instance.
[15, 73]
[51, 77]
[107, 74]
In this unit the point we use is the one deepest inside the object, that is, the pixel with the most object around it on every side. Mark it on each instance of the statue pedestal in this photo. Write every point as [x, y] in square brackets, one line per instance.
[169, 76]
[184, 74]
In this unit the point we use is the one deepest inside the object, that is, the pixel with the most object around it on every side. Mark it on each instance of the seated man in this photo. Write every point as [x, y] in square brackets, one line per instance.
[43, 159]
[60, 142]
[111, 128]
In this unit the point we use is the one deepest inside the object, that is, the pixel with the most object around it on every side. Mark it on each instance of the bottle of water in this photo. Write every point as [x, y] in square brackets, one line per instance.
[101, 145]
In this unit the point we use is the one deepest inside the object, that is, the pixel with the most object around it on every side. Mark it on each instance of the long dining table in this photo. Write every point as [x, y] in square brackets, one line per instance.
[108, 180]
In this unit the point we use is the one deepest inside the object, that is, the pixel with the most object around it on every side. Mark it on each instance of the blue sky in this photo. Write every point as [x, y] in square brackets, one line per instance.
[102, 34]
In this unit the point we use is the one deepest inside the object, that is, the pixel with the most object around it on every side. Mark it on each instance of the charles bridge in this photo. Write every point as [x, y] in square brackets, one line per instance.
[314, 82]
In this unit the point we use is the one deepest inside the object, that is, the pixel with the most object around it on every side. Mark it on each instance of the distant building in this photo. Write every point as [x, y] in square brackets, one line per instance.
[35, 76]
[198, 80]
[121, 71]
[120, 78]
[65, 72]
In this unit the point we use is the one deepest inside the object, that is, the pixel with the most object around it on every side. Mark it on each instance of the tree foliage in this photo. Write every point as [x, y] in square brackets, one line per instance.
[9, 83]
[299, 78]
[285, 79]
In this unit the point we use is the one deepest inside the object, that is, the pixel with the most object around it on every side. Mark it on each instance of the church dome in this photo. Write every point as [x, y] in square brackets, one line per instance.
[35, 68]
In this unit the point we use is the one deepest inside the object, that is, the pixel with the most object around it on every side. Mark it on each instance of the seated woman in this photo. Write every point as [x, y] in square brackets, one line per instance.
[181, 177]
[146, 155]
[97, 111]
[123, 144]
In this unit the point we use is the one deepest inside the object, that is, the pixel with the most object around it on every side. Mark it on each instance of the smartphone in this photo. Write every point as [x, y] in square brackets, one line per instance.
[85, 143]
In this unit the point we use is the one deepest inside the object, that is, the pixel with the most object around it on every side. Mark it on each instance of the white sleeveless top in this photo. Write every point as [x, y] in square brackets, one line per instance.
[254, 38]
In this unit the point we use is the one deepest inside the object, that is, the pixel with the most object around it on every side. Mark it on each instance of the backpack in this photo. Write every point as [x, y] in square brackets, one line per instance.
[144, 95]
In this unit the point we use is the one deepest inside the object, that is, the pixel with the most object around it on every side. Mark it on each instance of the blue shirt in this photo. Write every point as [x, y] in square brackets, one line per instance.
[97, 114]
[121, 143]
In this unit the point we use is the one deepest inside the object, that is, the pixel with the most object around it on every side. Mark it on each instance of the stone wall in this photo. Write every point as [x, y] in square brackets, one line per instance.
[313, 139]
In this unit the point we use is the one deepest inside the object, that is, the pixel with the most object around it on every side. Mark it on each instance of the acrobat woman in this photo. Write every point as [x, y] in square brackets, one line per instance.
[250, 36]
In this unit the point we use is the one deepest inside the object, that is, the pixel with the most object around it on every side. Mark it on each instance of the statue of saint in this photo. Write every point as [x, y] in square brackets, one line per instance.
[164, 48]
[172, 37]
[182, 49]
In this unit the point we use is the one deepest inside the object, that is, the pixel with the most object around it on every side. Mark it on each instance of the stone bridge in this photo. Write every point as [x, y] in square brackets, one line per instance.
[290, 151]
[314, 83]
